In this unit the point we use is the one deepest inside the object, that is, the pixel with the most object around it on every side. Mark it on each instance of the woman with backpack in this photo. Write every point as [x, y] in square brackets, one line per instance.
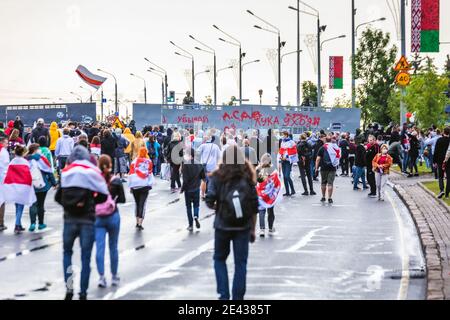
[232, 194]
[153, 148]
[107, 221]
[42, 167]
[140, 181]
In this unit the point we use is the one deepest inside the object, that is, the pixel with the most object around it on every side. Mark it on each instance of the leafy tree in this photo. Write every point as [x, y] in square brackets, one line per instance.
[309, 93]
[424, 96]
[342, 102]
[374, 63]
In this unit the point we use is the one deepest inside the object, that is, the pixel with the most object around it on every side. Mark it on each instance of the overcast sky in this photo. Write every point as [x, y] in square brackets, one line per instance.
[43, 41]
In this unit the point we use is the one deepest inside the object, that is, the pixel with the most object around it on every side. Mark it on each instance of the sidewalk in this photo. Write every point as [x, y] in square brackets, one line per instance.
[432, 219]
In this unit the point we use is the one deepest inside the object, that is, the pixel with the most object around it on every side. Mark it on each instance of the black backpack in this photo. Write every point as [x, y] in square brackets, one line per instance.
[151, 150]
[238, 201]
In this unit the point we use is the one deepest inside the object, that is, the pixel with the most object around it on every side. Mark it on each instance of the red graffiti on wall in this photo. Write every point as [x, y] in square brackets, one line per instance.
[194, 119]
[266, 120]
[300, 119]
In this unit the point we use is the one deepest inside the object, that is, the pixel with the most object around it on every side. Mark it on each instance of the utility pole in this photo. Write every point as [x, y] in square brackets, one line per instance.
[353, 55]
[319, 68]
[403, 45]
[298, 53]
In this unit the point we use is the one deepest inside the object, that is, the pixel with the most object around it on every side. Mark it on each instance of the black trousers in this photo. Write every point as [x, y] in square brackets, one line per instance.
[413, 163]
[175, 175]
[351, 163]
[305, 173]
[371, 181]
[37, 209]
[344, 165]
[140, 197]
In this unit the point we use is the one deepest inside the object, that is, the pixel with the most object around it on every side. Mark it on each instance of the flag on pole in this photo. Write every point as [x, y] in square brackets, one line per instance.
[91, 79]
[337, 72]
[425, 25]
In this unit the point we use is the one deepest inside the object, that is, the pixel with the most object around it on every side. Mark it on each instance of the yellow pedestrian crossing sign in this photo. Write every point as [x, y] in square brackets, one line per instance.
[402, 65]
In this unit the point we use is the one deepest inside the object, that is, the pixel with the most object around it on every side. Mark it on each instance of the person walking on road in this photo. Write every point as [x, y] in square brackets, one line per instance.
[372, 149]
[287, 156]
[137, 144]
[439, 155]
[305, 153]
[209, 153]
[174, 156]
[40, 164]
[108, 223]
[122, 143]
[232, 194]
[414, 148]
[193, 174]
[40, 131]
[344, 144]
[82, 187]
[4, 161]
[359, 171]
[381, 165]
[55, 134]
[18, 185]
[328, 158]
[64, 148]
[140, 182]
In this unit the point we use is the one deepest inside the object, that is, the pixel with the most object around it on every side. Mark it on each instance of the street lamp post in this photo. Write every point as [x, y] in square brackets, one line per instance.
[250, 62]
[189, 56]
[90, 93]
[298, 50]
[165, 77]
[354, 36]
[158, 73]
[241, 56]
[145, 86]
[115, 88]
[213, 52]
[77, 95]
[286, 54]
[280, 45]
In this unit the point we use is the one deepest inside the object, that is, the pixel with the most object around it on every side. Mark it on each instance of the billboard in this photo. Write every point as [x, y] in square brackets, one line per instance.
[296, 120]
[79, 112]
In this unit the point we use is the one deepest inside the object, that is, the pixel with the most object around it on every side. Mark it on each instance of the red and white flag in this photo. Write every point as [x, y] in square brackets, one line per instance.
[44, 165]
[18, 184]
[91, 79]
[141, 173]
[334, 152]
[288, 150]
[84, 174]
[269, 191]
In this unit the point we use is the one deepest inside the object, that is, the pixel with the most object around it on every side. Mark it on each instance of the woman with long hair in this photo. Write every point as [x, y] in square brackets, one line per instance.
[136, 145]
[232, 194]
[140, 183]
[109, 224]
[40, 162]
[14, 140]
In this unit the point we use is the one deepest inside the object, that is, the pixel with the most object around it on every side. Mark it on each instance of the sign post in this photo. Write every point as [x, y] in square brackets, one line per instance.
[402, 80]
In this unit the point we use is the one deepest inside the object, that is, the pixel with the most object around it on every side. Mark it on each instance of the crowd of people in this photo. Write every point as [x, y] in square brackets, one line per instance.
[239, 174]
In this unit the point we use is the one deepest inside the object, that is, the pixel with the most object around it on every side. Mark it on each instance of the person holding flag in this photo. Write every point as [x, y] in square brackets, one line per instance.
[268, 188]
[140, 181]
[328, 158]
[18, 186]
[47, 180]
[287, 156]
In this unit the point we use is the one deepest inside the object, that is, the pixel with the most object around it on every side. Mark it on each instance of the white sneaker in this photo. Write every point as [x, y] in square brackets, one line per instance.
[272, 231]
[102, 282]
[262, 233]
[115, 281]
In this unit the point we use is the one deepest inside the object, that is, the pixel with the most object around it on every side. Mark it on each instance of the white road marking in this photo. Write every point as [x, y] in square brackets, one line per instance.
[404, 282]
[160, 273]
[304, 241]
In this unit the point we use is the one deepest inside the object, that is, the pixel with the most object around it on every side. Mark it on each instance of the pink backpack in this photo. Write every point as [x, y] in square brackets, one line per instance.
[106, 208]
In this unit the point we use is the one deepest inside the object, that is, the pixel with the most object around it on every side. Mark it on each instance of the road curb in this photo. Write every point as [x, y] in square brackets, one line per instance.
[430, 247]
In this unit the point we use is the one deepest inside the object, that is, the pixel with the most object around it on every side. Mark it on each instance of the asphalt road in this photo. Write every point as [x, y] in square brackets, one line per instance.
[358, 248]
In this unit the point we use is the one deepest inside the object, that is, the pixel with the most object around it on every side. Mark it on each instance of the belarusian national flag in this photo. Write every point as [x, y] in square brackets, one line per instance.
[336, 72]
[425, 26]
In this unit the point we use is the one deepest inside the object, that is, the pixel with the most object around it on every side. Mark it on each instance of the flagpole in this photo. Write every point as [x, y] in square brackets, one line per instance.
[403, 45]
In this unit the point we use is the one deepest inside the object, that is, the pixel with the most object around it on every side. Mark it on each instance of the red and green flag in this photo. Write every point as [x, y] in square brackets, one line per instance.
[425, 26]
[337, 72]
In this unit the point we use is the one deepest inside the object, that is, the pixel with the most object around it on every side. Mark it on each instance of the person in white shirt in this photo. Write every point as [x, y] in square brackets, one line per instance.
[209, 154]
[4, 161]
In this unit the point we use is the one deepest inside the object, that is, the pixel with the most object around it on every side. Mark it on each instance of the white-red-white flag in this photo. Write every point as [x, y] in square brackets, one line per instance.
[91, 79]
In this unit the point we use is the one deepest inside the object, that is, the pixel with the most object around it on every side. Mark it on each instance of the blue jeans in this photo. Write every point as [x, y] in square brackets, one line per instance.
[19, 212]
[360, 172]
[86, 233]
[286, 166]
[156, 166]
[192, 199]
[107, 225]
[241, 241]
[405, 161]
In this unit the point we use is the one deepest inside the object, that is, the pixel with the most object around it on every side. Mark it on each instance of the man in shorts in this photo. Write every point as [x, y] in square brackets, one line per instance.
[328, 160]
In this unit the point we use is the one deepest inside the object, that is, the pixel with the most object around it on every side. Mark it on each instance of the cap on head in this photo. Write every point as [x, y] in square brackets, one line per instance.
[41, 121]
[118, 131]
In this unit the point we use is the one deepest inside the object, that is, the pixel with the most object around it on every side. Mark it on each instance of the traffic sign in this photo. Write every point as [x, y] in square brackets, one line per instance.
[118, 124]
[402, 65]
[403, 79]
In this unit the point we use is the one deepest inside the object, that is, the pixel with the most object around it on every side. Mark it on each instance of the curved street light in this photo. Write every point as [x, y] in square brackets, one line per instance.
[331, 39]
[276, 31]
[156, 73]
[77, 95]
[90, 93]
[187, 55]
[247, 63]
[213, 52]
[115, 88]
[145, 86]
[289, 53]
[162, 70]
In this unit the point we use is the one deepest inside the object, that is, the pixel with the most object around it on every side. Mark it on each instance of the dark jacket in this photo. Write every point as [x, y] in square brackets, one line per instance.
[40, 131]
[344, 145]
[193, 174]
[121, 145]
[49, 178]
[414, 147]
[305, 153]
[371, 152]
[213, 200]
[117, 192]
[440, 150]
[168, 155]
[360, 156]
[108, 146]
[79, 204]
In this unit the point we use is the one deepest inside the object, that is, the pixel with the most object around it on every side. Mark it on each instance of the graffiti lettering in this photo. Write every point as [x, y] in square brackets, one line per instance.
[188, 120]
[300, 119]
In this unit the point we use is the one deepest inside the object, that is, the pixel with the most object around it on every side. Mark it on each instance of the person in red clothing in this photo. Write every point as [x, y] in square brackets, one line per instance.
[381, 165]
[14, 140]
[10, 128]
